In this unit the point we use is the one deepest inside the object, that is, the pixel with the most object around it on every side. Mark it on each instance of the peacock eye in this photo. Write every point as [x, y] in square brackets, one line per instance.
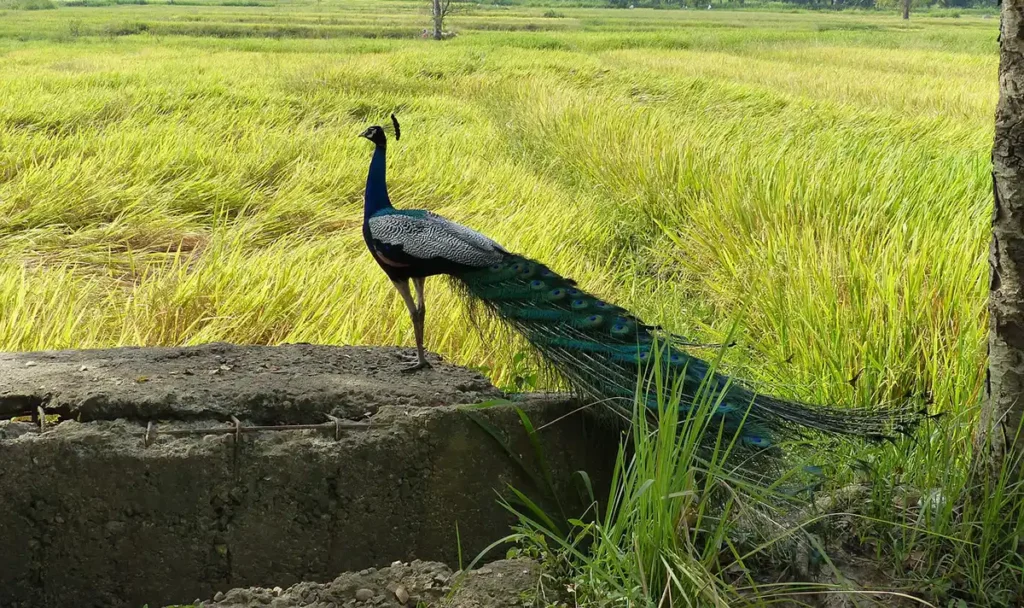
[537, 284]
[600, 304]
[675, 358]
[579, 304]
[496, 267]
[575, 292]
[755, 441]
[619, 329]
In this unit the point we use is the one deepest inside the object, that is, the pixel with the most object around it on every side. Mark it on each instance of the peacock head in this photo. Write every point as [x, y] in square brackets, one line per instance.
[376, 133]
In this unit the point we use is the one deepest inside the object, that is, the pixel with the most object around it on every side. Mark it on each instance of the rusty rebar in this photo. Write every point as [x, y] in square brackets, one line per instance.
[237, 429]
[335, 424]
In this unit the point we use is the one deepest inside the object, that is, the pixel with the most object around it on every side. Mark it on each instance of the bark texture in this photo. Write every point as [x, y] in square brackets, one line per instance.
[906, 9]
[1002, 412]
[438, 14]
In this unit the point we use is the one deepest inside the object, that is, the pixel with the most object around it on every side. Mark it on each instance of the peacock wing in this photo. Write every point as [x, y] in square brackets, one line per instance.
[426, 236]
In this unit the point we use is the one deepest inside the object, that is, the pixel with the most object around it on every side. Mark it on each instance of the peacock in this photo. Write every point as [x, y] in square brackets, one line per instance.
[599, 348]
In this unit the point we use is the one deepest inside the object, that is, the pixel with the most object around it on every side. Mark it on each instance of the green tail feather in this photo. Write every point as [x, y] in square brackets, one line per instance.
[600, 349]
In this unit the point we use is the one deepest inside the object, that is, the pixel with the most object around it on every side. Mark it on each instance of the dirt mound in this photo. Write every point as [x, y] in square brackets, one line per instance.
[501, 584]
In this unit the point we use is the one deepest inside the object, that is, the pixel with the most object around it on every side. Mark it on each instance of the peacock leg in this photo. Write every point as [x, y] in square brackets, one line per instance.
[417, 324]
[419, 320]
[419, 283]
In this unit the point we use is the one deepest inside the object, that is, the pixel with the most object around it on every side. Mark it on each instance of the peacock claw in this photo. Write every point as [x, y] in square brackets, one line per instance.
[422, 364]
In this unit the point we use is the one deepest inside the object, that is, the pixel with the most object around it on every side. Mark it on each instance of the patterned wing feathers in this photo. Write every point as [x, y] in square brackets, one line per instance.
[428, 236]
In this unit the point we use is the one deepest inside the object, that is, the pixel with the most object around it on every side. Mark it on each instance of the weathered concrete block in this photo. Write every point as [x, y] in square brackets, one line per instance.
[92, 513]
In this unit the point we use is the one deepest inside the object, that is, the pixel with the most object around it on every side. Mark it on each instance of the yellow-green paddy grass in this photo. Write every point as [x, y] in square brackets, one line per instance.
[184, 174]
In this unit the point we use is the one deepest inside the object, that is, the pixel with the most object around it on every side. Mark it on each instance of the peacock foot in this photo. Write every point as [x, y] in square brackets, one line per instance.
[415, 363]
[420, 364]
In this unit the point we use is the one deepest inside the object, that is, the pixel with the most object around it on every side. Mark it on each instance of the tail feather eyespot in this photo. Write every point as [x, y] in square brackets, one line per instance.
[526, 270]
[756, 441]
[593, 321]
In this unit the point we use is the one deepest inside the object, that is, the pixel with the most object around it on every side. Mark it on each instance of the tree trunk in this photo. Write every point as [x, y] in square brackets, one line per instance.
[906, 9]
[1004, 386]
[438, 19]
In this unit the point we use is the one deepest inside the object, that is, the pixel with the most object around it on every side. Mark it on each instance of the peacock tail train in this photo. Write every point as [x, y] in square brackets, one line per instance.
[601, 349]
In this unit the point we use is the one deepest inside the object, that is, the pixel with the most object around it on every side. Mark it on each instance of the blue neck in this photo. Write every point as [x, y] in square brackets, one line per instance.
[376, 197]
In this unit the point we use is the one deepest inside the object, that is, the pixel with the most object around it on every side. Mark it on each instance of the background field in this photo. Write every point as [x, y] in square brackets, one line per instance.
[183, 174]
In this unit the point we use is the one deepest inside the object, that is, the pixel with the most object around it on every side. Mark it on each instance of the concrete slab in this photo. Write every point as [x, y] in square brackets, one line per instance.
[94, 514]
[277, 385]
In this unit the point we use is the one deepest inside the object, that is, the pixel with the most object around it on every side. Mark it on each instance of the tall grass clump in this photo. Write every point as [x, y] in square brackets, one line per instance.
[691, 519]
[685, 512]
[956, 539]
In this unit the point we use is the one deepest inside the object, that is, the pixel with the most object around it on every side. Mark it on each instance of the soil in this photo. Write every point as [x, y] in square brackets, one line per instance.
[290, 384]
[500, 584]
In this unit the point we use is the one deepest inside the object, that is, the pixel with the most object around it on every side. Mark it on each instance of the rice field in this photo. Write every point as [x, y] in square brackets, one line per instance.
[177, 174]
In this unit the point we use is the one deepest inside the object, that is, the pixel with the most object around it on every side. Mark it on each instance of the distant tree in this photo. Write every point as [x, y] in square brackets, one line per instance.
[906, 9]
[440, 10]
[996, 442]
